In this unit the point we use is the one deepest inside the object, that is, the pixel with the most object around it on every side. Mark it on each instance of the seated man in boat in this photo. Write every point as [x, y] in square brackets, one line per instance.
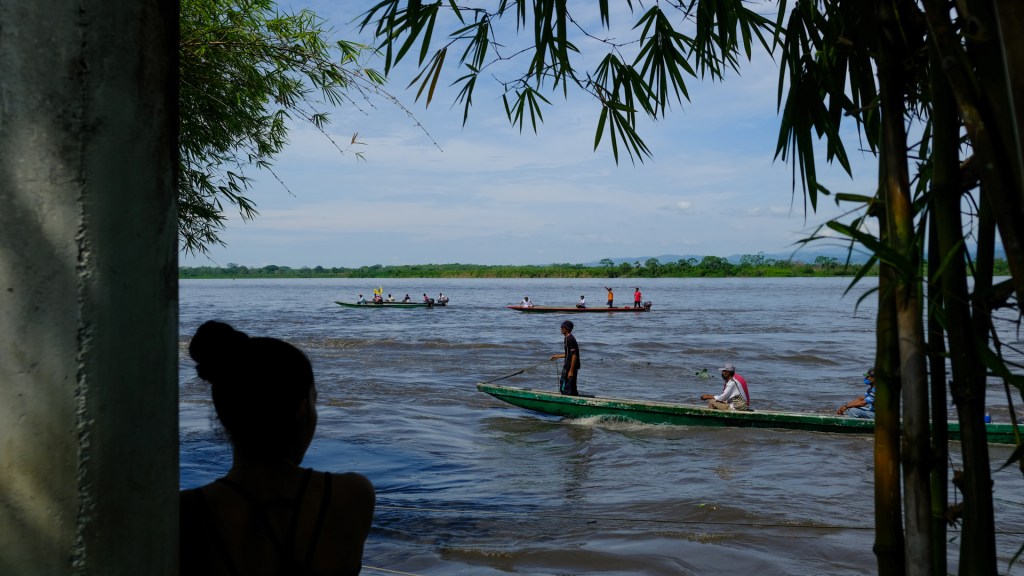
[442, 299]
[361, 300]
[583, 302]
[863, 407]
[390, 298]
[526, 302]
[734, 396]
[407, 299]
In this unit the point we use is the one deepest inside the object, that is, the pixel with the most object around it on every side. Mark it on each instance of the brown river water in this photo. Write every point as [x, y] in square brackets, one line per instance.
[468, 485]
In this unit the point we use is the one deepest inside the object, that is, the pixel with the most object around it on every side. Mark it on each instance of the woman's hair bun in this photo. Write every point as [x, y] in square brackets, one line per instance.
[214, 347]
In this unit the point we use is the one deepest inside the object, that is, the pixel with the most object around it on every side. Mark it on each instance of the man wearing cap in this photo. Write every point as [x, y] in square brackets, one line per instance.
[734, 396]
[571, 367]
[863, 407]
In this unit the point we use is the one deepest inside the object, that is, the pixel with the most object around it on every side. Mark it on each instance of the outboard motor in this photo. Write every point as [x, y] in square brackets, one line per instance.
[647, 305]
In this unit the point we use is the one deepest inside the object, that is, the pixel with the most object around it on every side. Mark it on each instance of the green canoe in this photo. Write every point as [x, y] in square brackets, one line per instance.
[652, 412]
[386, 304]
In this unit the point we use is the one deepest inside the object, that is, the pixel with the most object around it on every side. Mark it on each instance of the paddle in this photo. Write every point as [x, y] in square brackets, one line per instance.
[517, 372]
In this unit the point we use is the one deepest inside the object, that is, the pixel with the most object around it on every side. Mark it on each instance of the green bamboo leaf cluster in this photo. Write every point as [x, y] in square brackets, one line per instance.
[624, 87]
[931, 89]
[248, 72]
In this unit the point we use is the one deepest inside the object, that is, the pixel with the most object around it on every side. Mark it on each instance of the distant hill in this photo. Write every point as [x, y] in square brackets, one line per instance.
[803, 256]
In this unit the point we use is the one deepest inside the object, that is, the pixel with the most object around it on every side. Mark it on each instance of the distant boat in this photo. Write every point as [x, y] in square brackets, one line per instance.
[387, 304]
[653, 412]
[574, 310]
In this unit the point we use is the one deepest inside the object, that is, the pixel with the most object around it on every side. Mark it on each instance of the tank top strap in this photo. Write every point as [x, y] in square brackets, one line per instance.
[321, 517]
[202, 506]
[300, 495]
[260, 510]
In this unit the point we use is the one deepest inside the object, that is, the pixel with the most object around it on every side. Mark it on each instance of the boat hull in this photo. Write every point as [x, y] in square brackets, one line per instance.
[574, 310]
[386, 304]
[652, 412]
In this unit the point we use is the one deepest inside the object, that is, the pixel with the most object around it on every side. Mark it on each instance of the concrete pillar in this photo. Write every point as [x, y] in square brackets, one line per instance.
[88, 287]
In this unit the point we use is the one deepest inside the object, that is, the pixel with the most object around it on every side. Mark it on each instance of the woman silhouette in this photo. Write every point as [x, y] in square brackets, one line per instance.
[268, 515]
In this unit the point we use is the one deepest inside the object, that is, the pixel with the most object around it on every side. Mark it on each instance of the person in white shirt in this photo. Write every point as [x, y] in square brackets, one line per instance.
[526, 302]
[583, 302]
[734, 396]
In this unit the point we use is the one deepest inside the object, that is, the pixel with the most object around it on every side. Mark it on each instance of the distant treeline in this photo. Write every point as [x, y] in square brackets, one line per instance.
[708, 266]
[750, 265]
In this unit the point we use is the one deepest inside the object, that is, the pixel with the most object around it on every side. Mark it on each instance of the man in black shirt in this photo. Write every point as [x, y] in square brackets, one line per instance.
[571, 367]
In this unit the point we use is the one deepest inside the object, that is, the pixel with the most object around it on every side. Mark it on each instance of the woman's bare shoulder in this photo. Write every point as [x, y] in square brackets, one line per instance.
[349, 489]
[353, 480]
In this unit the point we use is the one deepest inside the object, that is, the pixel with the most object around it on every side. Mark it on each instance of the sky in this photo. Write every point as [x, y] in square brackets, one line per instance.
[430, 190]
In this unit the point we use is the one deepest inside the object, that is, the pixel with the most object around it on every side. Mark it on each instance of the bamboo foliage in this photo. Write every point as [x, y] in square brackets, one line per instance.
[881, 66]
[895, 189]
[246, 71]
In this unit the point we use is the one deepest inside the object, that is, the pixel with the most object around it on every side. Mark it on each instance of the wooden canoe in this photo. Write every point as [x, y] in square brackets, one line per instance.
[574, 310]
[652, 412]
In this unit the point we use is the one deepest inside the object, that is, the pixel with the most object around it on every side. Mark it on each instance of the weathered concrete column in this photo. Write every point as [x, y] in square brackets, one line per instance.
[88, 287]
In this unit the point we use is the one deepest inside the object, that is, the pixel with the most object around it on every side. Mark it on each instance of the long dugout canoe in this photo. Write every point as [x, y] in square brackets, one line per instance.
[653, 412]
[386, 304]
[574, 310]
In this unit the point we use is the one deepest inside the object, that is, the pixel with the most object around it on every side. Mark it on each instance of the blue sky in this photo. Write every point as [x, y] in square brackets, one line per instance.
[488, 194]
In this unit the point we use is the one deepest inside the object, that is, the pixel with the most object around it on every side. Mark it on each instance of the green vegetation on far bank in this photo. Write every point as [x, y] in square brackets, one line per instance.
[750, 265]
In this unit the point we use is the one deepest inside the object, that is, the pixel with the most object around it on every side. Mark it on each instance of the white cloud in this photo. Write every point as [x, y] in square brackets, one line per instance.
[494, 195]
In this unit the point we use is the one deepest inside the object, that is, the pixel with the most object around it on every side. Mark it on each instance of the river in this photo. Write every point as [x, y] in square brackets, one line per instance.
[468, 485]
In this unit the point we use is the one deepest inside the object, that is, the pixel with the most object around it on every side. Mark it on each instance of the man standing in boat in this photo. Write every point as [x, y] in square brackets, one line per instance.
[638, 298]
[611, 296]
[734, 396]
[571, 366]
